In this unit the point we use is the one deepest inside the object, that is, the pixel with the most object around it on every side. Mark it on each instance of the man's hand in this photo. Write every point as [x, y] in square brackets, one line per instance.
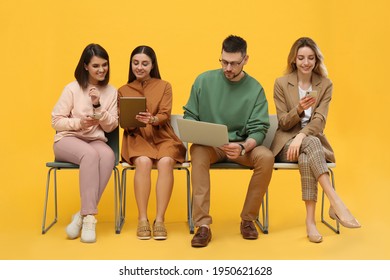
[232, 150]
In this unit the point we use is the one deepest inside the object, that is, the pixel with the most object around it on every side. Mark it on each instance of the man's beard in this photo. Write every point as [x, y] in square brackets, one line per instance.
[235, 76]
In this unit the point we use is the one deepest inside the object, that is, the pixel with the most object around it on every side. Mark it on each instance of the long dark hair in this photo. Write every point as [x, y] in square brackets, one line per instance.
[81, 74]
[154, 73]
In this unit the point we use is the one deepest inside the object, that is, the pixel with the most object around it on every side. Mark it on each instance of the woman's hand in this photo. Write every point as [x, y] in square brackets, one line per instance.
[295, 145]
[145, 117]
[94, 93]
[305, 103]
[88, 122]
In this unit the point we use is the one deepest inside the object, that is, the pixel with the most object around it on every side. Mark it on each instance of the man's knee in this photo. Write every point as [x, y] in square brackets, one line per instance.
[194, 149]
[263, 157]
[199, 152]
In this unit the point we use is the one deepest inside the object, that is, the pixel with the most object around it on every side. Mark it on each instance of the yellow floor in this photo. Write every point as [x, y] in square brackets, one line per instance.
[21, 211]
[21, 238]
[26, 242]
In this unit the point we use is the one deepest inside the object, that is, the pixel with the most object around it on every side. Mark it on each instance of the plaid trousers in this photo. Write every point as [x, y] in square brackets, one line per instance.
[311, 162]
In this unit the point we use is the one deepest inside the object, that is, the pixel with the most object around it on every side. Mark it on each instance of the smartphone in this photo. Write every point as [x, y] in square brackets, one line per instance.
[312, 93]
[96, 116]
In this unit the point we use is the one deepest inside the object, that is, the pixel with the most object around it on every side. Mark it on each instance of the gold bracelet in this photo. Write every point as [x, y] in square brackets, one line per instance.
[152, 120]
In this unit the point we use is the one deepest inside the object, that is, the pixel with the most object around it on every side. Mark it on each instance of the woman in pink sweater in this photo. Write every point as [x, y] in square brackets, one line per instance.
[86, 109]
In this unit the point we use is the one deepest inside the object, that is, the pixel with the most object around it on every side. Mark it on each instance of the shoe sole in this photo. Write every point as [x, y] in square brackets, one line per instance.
[199, 245]
[143, 238]
[159, 237]
[88, 241]
[250, 238]
[312, 240]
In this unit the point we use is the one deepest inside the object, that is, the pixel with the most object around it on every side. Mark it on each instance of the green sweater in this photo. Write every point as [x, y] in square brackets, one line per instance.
[241, 106]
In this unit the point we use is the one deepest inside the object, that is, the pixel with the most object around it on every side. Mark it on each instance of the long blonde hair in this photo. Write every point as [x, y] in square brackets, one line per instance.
[319, 68]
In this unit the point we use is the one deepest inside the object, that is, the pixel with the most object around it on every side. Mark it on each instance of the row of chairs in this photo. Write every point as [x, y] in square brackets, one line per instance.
[120, 185]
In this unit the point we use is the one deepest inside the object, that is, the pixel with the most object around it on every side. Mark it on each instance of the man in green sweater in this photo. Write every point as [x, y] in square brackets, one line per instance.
[230, 96]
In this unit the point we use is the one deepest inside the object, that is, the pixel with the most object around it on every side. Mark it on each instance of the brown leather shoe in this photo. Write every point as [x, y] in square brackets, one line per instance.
[202, 237]
[248, 230]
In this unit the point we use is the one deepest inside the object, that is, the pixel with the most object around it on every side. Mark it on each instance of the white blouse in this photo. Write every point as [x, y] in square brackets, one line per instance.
[306, 118]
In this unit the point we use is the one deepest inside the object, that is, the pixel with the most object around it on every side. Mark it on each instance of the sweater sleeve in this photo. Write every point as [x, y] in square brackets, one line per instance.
[109, 120]
[191, 109]
[287, 117]
[258, 122]
[61, 117]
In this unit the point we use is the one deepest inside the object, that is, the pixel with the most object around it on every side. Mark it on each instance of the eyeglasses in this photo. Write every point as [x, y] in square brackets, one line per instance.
[233, 64]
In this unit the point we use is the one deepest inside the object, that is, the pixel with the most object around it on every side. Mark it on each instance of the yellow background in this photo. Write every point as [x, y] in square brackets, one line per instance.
[41, 42]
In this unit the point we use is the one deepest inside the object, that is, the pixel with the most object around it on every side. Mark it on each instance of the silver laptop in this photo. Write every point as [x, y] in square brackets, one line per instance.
[129, 107]
[203, 133]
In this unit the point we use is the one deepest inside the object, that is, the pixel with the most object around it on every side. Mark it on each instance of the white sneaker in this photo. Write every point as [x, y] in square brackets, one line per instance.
[88, 234]
[74, 228]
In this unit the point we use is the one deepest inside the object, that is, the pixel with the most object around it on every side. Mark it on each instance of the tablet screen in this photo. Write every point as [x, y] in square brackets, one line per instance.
[129, 107]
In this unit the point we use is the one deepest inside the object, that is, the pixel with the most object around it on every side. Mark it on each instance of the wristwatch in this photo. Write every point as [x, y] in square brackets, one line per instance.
[242, 150]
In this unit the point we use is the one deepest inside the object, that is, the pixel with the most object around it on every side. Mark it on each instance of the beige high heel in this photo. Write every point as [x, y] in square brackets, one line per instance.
[353, 223]
[315, 238]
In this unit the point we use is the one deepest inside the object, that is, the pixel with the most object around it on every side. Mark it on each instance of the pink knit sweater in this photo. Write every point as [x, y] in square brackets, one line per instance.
[74, 104]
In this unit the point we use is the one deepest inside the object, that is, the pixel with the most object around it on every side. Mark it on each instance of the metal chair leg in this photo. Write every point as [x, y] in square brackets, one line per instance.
[44, 228]
[189, 204]
[336, 229]
[264, 226]
[122, 202]
[117, 197]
